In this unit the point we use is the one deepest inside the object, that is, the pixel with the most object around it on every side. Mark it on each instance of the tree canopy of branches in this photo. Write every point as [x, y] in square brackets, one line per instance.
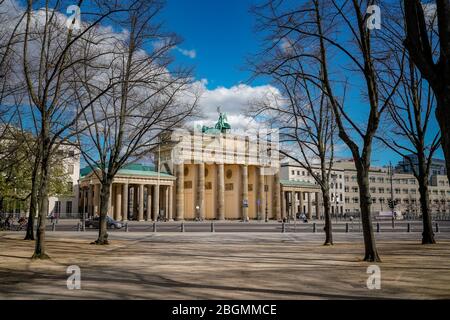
[318, 30]
[420, 44]
[122, 126]
[301, 110]
[412, 135]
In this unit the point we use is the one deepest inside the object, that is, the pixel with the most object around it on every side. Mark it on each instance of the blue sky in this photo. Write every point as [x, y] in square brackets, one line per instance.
[222, 35]
[218, 37]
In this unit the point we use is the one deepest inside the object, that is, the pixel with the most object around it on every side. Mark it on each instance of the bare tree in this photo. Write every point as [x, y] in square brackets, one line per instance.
[340, 29]
[302, 114]
[411, 133]
[412, 138]
[49, 56]
[421, 47]
[122, 126]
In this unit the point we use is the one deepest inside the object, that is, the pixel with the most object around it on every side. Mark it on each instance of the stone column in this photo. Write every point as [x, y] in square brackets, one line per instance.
[221, 191]
[97, 199]
[283, 204]
[309, 206]
[293, 205]
[317, 205]
[300, 197]
[135, 201]
[125, 202]
[179, 171]
[276, 196]
[201, 190]
[149, 203]
[244, 179]
[141, 203]
[259, 194]
[118, 206]
[170, 208]
[319, 214]
[110, 199]
[90, 202]
[166, 202]
[155, 202]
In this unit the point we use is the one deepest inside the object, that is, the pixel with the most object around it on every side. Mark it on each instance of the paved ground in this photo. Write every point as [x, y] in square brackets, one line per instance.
[223, 266]
[256, 226]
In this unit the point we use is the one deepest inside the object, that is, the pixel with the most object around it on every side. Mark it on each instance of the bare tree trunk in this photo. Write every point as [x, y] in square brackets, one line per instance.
[39, 251]
[33, 201]
[104, 201]
[327, 214]
[371, 253]
[422, 177]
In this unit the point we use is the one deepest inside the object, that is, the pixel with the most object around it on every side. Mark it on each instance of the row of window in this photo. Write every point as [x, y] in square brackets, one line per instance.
[228, 186]
[58, 207]
[306, 173]
[405, 201]
[382, 180]
[398, 191]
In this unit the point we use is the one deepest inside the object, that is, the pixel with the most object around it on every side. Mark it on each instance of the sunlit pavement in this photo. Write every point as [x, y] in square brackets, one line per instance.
[205, 265]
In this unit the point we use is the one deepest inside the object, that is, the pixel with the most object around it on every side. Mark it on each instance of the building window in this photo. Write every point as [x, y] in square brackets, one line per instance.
[229, 174]
[266, 188]
[228, 187]
[70, 169]
[250, 187]
[71, 153]
[188, 184]
[57, 207]
[69, 207]
[346, 189]
[70, 187]
[208, 185]
[380, 190]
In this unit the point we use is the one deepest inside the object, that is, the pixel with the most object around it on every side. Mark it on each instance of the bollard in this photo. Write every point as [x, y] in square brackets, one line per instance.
[314, 227]
[212, 227]
[437, 227]
[409, 227]
[126, 227]
[53, 226]
[283, 227]
[378, 227]
[154, 226]
[182, 227]
[346, 227]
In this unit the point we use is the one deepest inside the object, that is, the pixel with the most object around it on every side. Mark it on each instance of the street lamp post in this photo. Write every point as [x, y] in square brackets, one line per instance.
[265, 190]
[334, 178]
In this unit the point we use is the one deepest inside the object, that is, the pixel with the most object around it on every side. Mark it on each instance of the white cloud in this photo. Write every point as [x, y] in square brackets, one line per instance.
[234, 101]
[188, 53]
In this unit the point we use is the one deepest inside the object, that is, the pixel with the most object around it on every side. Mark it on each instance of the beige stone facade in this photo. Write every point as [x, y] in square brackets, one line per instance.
[344, 189]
